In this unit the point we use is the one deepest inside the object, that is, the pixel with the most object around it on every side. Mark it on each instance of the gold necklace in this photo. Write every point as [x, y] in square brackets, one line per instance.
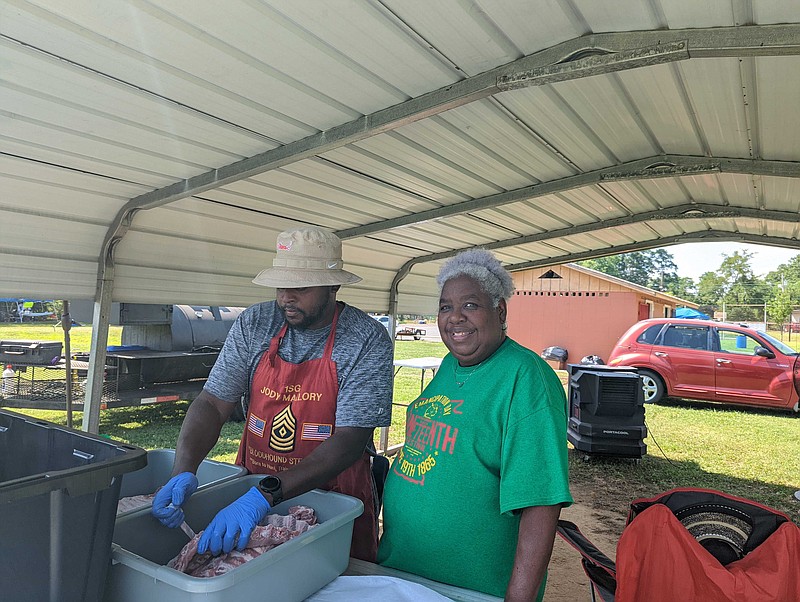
[463, 382]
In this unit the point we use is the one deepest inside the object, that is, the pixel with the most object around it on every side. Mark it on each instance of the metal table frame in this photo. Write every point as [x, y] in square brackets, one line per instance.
[422, 364]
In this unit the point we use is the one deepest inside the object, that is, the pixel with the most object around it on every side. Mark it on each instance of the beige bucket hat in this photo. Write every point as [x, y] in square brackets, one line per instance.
[306, 257]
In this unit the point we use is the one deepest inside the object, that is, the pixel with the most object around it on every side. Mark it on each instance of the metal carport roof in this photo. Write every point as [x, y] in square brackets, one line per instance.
[151, 151]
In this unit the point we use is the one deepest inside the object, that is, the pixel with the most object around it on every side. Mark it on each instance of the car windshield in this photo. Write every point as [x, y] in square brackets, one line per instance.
[782, 347]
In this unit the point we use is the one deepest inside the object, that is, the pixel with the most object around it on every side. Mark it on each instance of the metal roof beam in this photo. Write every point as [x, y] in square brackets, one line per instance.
[609, 52]
[660, 166]
[678, 212]
[704, 236]
[627, 50]
[596, 62]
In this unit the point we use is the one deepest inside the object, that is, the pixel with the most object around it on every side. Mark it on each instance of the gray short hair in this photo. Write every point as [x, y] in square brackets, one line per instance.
[483, 267]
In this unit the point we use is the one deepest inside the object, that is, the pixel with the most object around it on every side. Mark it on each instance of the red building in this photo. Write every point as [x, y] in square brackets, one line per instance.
[582, 310]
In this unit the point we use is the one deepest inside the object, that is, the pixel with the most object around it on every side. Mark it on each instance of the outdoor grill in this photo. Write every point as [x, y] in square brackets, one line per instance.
[174, 345]
[30, 353]
[166, 354]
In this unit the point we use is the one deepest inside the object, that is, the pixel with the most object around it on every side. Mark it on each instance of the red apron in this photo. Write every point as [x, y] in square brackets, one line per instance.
[292, 410]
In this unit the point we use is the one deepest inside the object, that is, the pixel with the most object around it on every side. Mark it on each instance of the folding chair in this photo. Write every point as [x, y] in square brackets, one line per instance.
[695, 544]
[600, 569]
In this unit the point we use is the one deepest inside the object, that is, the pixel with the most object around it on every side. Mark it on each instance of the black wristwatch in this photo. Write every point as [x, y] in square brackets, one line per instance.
[272, 485]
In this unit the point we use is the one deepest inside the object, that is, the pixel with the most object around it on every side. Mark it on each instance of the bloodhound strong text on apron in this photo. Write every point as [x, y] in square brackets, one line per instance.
[292, 410]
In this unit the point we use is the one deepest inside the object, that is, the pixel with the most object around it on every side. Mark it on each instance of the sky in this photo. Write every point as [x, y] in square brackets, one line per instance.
[694, 259]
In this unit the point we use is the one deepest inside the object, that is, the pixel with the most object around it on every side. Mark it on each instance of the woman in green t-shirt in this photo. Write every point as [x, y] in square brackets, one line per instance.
[473, 497]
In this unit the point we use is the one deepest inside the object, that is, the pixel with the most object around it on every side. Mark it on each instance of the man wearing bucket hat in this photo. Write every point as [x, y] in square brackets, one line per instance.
[318, 376]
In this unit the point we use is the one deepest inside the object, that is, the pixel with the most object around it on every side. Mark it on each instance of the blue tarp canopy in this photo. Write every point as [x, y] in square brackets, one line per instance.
[687, 312]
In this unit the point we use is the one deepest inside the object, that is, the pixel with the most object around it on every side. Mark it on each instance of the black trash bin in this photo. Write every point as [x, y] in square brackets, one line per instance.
[557, 354]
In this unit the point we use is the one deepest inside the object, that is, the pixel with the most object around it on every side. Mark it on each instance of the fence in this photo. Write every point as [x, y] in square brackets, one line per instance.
[45, 388]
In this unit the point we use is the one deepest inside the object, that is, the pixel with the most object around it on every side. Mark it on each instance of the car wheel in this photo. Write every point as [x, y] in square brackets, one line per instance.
[652, 385]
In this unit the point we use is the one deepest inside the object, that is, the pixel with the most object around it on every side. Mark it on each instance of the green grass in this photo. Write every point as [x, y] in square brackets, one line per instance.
[407, 382]
[750, 453]
[80, 337]
[157, 426]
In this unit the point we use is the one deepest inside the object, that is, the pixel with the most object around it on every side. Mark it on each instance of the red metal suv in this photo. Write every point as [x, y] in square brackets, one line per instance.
[712, 361]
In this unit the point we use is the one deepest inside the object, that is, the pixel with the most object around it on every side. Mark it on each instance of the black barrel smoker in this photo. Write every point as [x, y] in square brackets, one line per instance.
[160, 343]
[168, 343]
[606, 411]
[166, 354]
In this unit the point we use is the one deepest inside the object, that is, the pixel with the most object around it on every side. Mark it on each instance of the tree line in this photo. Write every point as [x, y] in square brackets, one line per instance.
[733, 285]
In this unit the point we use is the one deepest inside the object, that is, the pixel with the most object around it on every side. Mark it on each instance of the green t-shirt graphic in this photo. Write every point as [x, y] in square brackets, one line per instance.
[475, 453]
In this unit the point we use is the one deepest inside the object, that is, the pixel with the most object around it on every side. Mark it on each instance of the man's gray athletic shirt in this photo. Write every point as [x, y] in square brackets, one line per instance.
[362, 352]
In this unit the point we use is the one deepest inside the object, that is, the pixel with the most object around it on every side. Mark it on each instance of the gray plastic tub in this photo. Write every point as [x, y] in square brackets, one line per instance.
[159, 469]
[59, 489]
[290, 572]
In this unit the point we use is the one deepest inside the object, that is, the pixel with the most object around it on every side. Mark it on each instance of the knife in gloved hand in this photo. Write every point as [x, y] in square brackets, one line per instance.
[187, 529]
[184, 526]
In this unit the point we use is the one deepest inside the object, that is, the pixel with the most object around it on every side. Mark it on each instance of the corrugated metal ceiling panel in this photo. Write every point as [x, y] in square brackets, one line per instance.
[109, 106]
[610, 117]
[28, 275]
[715, 93]
[776, 12]
[42, 188]
[784, 193]
[371, 38]
[658, 95]
[22, 233]
[775, 82]
[544, 112]
[123, 63]
[487, 140]
[688, 13]
[620, 16]
[637, 196]
[468, 38]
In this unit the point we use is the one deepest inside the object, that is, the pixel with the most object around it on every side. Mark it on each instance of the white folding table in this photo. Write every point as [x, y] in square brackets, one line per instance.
[419, 363]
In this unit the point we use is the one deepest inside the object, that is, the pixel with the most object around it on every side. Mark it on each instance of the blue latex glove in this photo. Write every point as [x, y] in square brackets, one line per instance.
[169, 499]
[234, 522]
